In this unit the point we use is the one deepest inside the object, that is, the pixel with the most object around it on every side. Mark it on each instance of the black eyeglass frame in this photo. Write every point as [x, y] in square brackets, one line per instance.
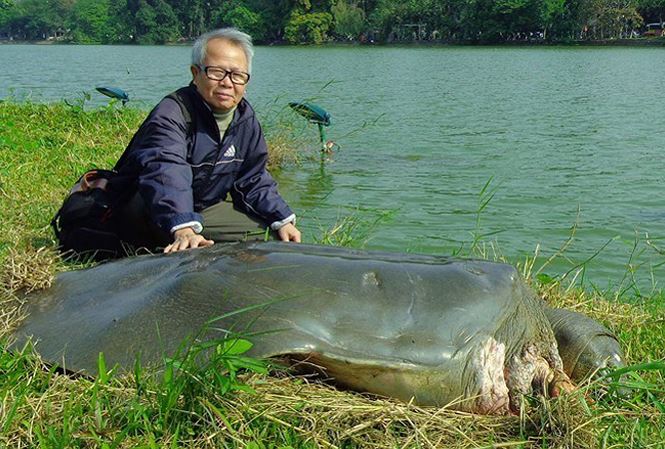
[228, 73]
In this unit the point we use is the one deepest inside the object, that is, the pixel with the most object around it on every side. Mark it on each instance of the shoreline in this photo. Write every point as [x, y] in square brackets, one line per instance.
[636, 42]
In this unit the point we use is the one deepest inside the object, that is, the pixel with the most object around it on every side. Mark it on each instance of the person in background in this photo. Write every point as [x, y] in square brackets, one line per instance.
[195, 172]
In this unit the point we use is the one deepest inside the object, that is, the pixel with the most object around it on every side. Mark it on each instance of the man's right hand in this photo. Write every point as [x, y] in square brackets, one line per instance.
[186, 238]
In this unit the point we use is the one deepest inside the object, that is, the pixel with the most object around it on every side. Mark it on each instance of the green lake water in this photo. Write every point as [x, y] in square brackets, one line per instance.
[568, 136]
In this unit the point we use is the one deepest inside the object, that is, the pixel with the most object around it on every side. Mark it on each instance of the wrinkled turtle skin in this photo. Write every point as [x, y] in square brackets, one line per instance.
[432, 329]
[585, 346]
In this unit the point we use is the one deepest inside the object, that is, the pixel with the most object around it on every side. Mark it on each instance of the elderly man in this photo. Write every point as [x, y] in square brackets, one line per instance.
[197, 146]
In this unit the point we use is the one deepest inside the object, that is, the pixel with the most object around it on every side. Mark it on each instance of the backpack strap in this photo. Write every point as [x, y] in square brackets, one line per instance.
[186, 107]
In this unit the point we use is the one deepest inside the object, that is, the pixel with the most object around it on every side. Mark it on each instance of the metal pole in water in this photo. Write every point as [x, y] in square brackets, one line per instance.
[322, 136]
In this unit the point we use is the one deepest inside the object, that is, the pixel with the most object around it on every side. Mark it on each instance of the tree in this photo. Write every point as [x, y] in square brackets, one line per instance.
[168, 26]
[492, 21]
[551, 12]
[275, 15]
[121, 22]
[246, 20]
[155, 22]
[90, 22]
[309, 28]
[602, 19]
[618, 18]
[389, 15]
[40, 19]
[310, 21]
[192, 16]
[349, 19]
[144, 22]
[411, 19]
[652, 10]
[7, 13]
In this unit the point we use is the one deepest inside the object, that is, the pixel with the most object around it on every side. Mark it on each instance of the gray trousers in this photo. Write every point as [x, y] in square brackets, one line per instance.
[222, 222]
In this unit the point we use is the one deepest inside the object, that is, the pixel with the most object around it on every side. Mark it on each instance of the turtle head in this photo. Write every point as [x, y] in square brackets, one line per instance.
[600, 354]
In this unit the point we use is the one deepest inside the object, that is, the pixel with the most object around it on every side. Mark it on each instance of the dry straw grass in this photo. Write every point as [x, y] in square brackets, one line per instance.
[332, 418]
[23, 271]
[323, 417]
[29, 269]
[281, 151]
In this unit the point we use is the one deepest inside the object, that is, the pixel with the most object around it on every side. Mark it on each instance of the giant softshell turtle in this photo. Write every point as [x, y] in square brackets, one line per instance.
[432, 329]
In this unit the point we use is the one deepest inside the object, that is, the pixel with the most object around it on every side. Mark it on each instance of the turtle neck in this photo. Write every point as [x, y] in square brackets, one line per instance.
[223, 120]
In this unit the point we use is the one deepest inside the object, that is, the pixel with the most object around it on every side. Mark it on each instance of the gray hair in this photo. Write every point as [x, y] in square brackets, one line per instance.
[243, 40]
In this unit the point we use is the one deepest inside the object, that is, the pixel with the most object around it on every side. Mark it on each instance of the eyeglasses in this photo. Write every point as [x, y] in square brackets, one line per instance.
[219, 74]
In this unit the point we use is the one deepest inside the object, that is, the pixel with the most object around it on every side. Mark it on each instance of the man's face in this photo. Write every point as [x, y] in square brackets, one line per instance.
[223, 95]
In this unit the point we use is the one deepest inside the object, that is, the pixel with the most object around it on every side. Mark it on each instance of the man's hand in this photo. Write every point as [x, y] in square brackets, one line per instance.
[186, 238]
[289, 233]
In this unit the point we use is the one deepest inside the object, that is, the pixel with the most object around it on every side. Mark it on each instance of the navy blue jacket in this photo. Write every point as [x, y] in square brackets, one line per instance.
[180, 171]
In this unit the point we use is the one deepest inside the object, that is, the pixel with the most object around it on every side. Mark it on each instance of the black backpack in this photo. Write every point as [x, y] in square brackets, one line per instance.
[85, 224]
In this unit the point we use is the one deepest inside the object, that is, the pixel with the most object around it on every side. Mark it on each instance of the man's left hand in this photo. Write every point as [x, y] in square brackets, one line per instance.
[289, 233]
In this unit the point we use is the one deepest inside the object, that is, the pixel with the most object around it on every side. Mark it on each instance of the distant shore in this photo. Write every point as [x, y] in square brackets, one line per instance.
[635, 42]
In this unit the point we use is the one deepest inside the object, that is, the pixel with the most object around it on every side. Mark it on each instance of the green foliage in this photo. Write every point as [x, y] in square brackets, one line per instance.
[551, 12]
[120, 22]
[7, 17]
[309, 28]
[52, 145]
[206, 368]
[651, 10]
[90, 21]
[38, 19]
[246, 20]
[355, 230]
[484, 199]
[160, 405]
[155, 22]
[309, 21]
[349, 19]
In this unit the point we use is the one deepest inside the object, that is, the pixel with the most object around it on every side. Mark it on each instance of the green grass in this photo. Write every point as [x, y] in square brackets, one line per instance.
[226, 400]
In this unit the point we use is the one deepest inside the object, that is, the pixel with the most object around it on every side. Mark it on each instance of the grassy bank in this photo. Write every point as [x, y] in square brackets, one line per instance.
[43, 149]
